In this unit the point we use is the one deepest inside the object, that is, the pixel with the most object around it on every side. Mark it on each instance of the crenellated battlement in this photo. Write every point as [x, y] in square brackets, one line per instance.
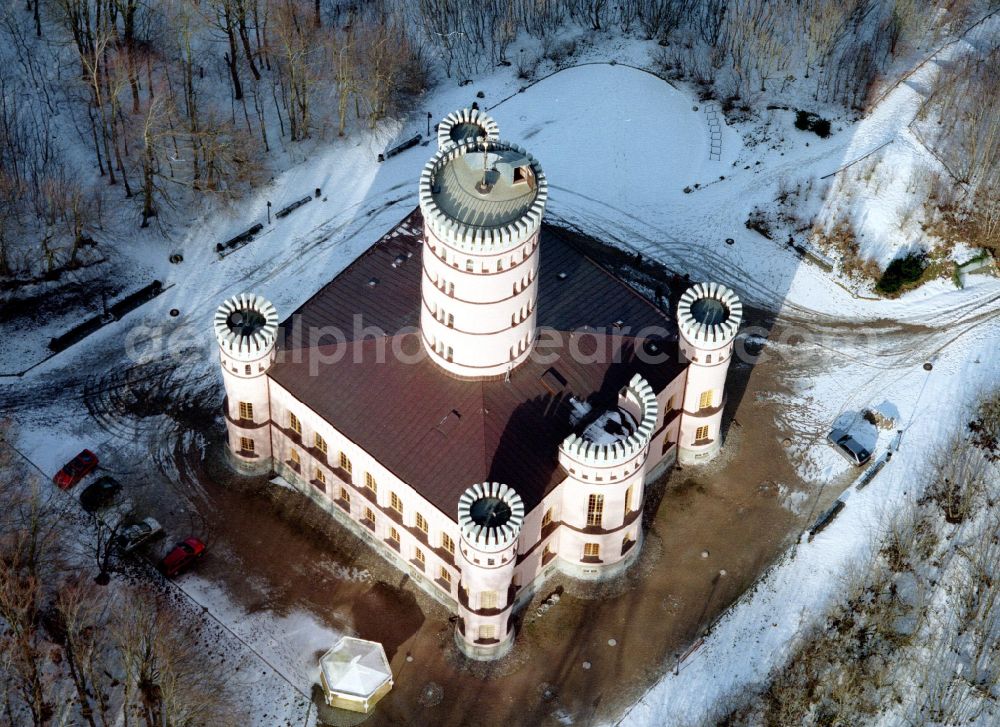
[464, 124]
[709, 314]
[490, 516]
[640, 394]
[246, 327]
[483, 219]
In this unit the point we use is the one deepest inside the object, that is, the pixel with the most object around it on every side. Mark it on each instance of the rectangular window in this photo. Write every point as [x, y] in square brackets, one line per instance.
[595, 510]
[418, 554]
[701, 433]
[319, 443]
[447, 543]
[320, 476]
[246, 444]
[246, 410]
[394, 535]
[345, 463]
[369, 514]
[293, 455]
[628, 499]
[395, 503]
[247, 370]
[591, 550]
[294, 424]
[487, 631]
[445, 575]
[705, 401]
[451, 320]
[547, 517]
[421, 523]
[370, 482]
[345, 495]
[488, 599]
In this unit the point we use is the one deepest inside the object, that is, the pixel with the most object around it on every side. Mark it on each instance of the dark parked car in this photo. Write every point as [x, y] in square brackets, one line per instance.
[135, 534]
[100, 493]
[849, 447]
[182, 556]
[76, 469]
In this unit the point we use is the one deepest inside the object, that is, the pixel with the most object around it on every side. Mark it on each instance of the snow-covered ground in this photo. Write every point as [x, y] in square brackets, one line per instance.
[619, 147]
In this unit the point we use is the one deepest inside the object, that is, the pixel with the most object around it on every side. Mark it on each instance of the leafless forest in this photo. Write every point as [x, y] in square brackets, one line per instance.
[115, 114]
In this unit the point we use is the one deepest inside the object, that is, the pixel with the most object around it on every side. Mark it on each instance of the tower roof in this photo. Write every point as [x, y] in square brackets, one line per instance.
[465, 124]
[481, 195]
[709, 314]
[490, 516]
[246, 325]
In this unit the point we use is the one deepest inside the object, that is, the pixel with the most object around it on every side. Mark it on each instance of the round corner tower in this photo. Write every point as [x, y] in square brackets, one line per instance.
[246, 328]
[465, 125]
[482, 202]
[490, 516]
[603, 497]
[708, 316]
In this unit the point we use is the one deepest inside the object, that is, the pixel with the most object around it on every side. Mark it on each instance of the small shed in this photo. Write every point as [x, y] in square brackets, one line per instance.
[355, 674]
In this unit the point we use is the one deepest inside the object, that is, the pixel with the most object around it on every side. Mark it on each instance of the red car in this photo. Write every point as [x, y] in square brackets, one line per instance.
[76, 469]
[183, 555]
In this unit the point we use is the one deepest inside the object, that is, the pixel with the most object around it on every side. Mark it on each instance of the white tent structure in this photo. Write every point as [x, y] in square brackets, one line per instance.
[355, 674]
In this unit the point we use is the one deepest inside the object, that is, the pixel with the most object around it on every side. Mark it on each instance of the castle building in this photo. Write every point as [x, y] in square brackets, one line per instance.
[474, 396]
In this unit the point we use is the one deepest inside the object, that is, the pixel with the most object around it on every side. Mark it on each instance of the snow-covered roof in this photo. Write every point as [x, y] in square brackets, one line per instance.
[356, 667]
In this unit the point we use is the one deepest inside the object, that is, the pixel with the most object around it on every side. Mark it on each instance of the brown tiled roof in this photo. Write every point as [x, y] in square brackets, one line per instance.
[441, 434]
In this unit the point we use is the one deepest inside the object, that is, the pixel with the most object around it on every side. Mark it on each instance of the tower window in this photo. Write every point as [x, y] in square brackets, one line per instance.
[488, 599]
[628, 499]
[705, 400]
[246, 410]
[591, 550]
[701, 433]
[595, 510]
[468, 266]
[547, 517]
[247, 370]
[246, 444]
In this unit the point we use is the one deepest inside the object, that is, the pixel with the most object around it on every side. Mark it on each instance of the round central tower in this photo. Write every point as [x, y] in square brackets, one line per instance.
[482, 203]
